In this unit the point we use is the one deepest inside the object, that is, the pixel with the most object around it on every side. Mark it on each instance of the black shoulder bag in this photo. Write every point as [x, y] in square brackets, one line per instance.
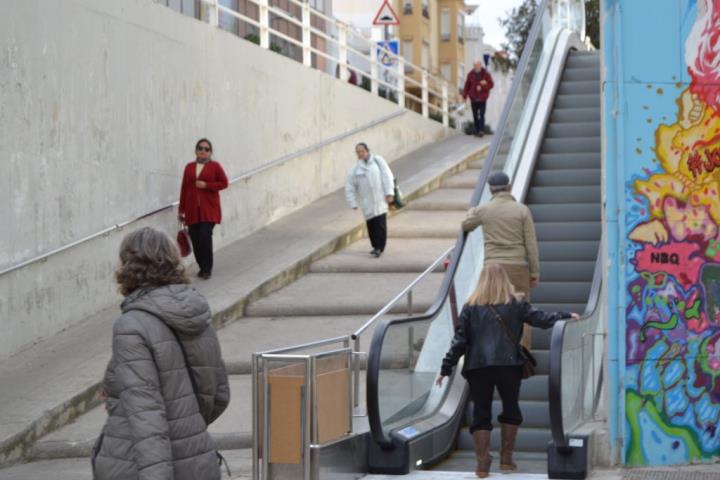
[529, 362]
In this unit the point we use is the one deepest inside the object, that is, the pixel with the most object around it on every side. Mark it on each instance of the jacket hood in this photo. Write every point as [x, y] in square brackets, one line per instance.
[181, 307]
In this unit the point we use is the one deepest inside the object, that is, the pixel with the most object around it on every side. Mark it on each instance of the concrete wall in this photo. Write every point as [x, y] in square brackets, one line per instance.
[101, 103]
[662, 153]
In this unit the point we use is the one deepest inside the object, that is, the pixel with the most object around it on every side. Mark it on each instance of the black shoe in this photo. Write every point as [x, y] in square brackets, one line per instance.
[205, 275]
[376, 253]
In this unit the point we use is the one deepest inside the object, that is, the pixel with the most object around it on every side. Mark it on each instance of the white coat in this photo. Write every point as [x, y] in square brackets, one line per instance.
[367, 185]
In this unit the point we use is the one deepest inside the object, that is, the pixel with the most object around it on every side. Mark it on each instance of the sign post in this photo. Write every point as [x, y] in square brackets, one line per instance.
[385, 17]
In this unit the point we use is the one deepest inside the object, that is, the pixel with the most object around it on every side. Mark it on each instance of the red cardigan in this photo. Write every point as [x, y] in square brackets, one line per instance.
[202, 205]
[472, 83]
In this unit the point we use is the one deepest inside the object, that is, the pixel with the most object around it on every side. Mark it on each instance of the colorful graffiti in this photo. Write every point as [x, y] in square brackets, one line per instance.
[672, 383]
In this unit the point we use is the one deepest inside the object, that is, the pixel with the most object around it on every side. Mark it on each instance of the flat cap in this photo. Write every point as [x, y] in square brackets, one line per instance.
[499, 179]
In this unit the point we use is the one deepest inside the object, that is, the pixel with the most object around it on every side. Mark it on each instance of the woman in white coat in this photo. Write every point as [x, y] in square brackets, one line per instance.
[370, 187]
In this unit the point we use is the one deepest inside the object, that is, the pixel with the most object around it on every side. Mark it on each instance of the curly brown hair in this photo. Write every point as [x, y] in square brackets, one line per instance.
[148, 258]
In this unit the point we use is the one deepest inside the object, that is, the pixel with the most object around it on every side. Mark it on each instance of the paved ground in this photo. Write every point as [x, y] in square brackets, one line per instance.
[47, 378]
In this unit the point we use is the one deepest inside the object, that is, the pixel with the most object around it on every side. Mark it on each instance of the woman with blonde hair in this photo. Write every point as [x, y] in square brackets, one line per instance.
[490, 324]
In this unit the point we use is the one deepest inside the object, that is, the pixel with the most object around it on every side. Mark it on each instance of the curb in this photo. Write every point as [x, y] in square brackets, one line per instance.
[21, 446]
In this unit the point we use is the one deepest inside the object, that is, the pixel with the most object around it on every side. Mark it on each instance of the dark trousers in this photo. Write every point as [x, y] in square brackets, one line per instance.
[202, 243]
[483, 382]
[377, 231]
[478, 109]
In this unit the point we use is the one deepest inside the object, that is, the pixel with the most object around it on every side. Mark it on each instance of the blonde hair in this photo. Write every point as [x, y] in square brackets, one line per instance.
[493, 288]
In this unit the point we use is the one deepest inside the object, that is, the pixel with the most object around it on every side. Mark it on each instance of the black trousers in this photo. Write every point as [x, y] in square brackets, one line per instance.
[377, 231]
[483, 382]
[478, 109]
[202, 243]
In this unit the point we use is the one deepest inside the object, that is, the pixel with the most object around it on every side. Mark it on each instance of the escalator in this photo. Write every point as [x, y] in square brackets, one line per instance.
[549, 144]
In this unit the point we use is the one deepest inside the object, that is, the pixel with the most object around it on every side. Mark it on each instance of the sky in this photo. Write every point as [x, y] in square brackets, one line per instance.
[487, 16]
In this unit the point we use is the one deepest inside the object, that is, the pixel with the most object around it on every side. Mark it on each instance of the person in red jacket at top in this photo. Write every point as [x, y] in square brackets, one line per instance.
[200, 203]
[477, 88]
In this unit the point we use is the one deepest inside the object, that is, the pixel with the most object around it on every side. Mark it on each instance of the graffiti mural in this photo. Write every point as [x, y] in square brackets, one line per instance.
[672, 383]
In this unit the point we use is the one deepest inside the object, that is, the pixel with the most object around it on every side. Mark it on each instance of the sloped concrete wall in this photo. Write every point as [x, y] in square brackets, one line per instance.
[101, 103]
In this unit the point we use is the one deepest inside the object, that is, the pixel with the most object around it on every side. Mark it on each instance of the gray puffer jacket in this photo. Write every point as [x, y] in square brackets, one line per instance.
[157, 426]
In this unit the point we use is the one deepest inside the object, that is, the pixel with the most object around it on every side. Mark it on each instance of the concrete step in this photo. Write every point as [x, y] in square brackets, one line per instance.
[426, 224]
[268, 333]
[478, 163]
[239, 461]
[408, 256]
[466, 179]
[233, 430]
[345, 294]
[445, 199]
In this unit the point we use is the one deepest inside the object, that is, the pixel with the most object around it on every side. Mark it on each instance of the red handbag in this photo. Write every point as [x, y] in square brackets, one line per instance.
[183, 241]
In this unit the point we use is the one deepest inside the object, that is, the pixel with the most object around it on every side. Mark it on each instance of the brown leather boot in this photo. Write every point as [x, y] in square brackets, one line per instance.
[508, 433]
[482, 453]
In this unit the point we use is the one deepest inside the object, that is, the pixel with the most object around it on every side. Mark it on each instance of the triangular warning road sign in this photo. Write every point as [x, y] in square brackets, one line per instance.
[386, 15]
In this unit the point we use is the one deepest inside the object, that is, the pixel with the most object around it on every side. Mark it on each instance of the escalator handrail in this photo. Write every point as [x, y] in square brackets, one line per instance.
[557, 340]
[373, 366]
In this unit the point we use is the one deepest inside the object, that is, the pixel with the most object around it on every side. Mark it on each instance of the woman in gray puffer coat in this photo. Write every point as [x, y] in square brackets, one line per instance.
[157, 413]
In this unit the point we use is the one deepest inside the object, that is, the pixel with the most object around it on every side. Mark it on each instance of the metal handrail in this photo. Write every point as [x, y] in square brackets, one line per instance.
[250, 173]
[402, 293]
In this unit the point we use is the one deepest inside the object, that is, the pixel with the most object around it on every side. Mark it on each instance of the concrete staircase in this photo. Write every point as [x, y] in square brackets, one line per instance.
[338, 294]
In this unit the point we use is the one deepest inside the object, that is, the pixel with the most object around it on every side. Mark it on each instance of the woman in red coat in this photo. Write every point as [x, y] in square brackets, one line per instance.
[200, 203]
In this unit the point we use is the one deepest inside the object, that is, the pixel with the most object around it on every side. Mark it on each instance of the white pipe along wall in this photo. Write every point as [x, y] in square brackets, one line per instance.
[101, 103]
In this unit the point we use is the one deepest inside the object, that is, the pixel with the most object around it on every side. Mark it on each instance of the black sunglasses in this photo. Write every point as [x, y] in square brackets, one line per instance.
[204, 149]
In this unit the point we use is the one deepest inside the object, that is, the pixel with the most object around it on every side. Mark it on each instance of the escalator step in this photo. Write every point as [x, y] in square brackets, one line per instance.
[580, 74]
[575, 231]
[541, 338]
[579, 87]
[571, 115]
[559, 212]
[538, 303]
[528, 439]
[571, 145]
[569, 161]
[575, 60]
[561, 292]
[587, 100]
[566, 251]
[567, 195]
[567, 271]
[562, 178]
[569, 130]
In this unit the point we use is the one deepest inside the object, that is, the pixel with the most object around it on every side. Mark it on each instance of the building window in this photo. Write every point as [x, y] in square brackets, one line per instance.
[461, 27]
[426, 8]
[227, 21]
[445, 24]
[407, 53]
[407, 7]
[425, 60]
[446, 71]
[318, 5]
[186, 7]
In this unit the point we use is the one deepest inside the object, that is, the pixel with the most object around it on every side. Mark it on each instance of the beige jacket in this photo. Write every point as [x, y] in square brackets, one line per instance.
[508, 231]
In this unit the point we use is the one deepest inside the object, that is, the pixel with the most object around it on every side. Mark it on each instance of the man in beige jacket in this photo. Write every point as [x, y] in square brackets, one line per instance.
[509, 238]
